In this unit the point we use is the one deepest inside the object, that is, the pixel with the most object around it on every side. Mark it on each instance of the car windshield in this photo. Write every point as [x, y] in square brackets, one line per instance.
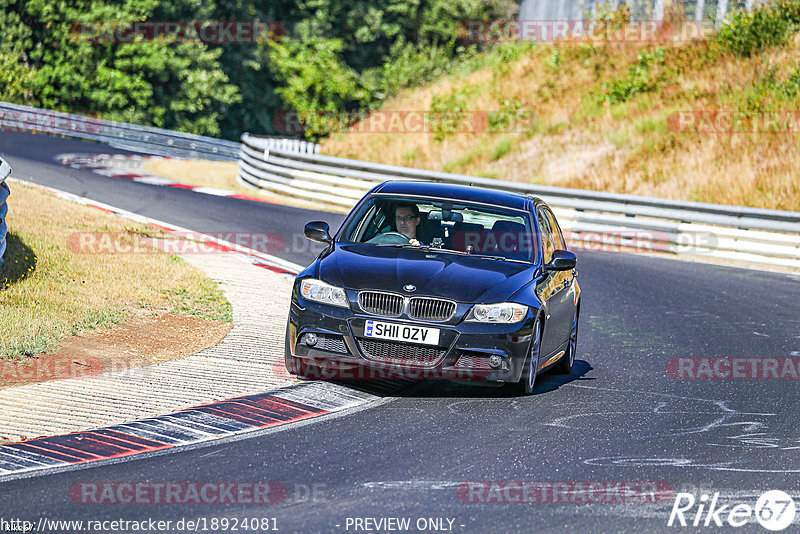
[447, 226]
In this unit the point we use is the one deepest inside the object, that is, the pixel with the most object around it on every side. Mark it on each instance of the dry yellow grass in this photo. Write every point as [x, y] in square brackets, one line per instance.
[219, 174]
[49, 290]
[571, 138]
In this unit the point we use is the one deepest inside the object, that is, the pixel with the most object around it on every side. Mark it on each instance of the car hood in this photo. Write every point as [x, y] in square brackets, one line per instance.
[453, 276]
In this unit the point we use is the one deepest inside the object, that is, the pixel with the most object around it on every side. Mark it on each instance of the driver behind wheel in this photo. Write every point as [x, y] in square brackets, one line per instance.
[404, 231]
[406, 218]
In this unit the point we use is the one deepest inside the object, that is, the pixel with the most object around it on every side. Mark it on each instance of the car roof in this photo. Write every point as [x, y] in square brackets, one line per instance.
[455, 192]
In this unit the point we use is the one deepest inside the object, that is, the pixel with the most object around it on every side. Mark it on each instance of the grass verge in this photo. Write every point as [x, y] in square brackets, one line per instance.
[641, 118]
[49, 291]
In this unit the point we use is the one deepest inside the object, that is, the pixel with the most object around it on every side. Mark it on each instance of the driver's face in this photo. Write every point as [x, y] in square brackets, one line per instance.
[406, 222]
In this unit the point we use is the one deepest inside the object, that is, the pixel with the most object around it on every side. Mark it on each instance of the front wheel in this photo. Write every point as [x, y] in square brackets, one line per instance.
[528, 378]
[564, 366]
[308, 371]
[297, 366]
[302, 369]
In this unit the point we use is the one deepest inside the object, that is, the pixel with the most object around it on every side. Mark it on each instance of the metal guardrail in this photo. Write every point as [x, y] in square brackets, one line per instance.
[593, 218]
[133, 137]
[5, 171]
[290, 145]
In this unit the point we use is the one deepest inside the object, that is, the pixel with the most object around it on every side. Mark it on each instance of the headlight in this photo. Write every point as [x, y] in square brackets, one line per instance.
[505, 312]
[319, 291]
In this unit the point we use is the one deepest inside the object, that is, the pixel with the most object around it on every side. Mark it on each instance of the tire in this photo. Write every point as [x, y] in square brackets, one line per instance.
[307, 371]
[298, 366]
[289, 360]
[302, 369]
[564, 365]
[527, 381]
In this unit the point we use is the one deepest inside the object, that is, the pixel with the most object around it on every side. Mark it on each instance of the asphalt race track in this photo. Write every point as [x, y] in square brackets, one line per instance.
[620, 417]
[31, 157]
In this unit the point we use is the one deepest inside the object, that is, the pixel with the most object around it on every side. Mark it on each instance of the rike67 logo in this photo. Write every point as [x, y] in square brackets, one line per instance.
[774, 510]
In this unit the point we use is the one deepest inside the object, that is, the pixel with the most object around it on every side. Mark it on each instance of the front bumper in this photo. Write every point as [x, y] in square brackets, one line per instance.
[342, 350]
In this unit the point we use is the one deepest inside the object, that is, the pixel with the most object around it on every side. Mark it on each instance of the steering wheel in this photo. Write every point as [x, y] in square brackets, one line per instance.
[390, 238]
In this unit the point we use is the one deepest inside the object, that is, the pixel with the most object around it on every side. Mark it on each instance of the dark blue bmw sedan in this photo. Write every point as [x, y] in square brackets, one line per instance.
[430, 280]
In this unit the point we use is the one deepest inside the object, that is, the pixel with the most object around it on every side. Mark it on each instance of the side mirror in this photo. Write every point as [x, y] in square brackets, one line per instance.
[563, 260]
[318, 231]
[440, 215]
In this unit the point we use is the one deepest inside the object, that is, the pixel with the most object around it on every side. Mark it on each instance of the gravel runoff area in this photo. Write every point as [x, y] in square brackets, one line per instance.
[248, 361]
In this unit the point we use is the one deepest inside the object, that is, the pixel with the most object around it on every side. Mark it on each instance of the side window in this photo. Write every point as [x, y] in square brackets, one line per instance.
[546, 236]
[371, 224]
[383, 222]
[361, 229]
[558, 237]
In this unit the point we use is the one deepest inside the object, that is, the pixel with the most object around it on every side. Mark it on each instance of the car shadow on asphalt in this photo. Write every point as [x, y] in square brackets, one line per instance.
[545, 383]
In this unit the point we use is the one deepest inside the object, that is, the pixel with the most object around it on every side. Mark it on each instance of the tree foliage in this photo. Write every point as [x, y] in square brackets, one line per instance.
[15, 79]
[171, 85]
[351, 55]
[751, 32]
[333, 56]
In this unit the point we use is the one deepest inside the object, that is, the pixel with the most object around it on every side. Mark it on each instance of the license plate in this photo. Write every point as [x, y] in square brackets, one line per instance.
[400, 332]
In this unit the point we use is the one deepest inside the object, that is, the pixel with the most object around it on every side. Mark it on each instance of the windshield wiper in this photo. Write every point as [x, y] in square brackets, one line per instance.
[426, 248]
[429, 248]
[498, 258]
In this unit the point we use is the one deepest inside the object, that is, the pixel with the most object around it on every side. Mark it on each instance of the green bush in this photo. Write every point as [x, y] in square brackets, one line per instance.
[554, 60]
[503, 147]
[750, 32]
[447, 113]
[15, 79]
[315, 80]
[510, 111]
[413, 65]
[643, 77]
[790, 88]
[769, 91]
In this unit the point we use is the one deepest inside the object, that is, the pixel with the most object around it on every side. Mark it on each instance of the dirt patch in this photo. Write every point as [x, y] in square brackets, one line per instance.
[143, 340]
[52, 289]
